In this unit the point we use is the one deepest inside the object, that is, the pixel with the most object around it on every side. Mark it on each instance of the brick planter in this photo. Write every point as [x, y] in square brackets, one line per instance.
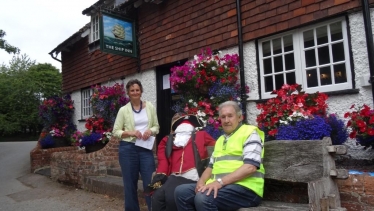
[71, 167]
[40, 158]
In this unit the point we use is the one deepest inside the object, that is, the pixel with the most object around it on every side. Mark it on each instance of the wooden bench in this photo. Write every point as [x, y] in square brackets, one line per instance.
[300, 175]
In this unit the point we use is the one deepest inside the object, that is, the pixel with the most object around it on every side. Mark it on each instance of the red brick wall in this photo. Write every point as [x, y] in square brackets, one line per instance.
[81, 68]
[179, 29]
[357, 192]
[72, 167]
[264, 17]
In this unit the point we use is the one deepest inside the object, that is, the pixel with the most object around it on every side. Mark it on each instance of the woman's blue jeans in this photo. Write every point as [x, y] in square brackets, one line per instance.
[230, 197]
[134, 159]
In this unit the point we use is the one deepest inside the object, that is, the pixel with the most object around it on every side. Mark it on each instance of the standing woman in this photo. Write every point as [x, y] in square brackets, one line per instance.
[135, 120]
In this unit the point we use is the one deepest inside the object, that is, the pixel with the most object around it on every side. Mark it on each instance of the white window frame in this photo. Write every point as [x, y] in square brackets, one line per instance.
[300, 63]
[95, 32]
[86, 107]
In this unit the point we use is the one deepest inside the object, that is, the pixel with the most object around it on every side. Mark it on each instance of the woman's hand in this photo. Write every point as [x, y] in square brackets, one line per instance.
[146, 134]
[137, 134]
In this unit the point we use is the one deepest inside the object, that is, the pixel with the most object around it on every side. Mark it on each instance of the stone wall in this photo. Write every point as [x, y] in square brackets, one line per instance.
[71, 167]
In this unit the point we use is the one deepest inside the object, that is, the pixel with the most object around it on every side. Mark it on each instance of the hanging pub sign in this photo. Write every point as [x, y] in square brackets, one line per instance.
[117, 35]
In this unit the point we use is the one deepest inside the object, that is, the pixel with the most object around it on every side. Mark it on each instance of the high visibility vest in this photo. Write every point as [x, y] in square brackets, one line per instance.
[229, 158]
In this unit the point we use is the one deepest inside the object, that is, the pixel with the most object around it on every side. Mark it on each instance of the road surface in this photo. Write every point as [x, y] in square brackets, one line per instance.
[22, 190]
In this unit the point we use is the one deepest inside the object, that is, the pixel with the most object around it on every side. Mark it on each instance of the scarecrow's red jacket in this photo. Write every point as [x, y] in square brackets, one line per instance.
[182, 159]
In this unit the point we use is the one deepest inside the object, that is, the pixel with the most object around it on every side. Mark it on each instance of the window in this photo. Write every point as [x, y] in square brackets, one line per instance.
[86, 105]
[316, 57]
[95, 35]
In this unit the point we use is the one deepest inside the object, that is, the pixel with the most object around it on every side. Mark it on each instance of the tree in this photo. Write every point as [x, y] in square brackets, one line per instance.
[7, 47]
[47, 80]
[23, 85]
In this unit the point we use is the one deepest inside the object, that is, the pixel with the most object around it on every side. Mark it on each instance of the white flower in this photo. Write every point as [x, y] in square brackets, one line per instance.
[52, 132]
[214, 68]
[190, 101]
[108, 135]
[195, 57]
[283, 122]
[238, 98]
[195, 104]
[211, 97]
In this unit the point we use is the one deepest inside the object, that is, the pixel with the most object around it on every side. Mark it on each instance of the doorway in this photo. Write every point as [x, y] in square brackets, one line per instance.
[165, 98]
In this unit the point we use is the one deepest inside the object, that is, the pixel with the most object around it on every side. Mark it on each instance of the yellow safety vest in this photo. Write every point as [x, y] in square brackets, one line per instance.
[229, 158]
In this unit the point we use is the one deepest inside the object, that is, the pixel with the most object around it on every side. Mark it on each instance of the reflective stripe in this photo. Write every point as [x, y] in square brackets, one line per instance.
[229, 157]
[257, 174]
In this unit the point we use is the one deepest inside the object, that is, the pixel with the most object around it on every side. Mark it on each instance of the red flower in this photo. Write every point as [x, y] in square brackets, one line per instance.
[361, 121]
[286, 103]
[352, 134]
[371, 132]
[273, 132]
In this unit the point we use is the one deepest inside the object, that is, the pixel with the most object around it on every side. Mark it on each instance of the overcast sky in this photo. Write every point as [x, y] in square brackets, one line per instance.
[36, 27]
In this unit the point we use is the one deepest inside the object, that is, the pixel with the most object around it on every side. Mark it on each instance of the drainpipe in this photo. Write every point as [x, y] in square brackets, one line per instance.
[241, 60]
[369, 42]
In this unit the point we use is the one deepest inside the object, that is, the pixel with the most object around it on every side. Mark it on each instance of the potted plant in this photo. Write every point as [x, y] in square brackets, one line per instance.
[361, 125]
[299, 116]
[56, 115]
[214, 76]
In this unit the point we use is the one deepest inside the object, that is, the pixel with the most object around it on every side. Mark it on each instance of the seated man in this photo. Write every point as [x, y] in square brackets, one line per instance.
[180, 159]
[234, 177]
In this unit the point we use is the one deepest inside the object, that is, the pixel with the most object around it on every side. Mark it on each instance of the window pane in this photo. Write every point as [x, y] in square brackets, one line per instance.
[277, 46]
[322, 35]
[269, 84]
[340, 73]
[267, 66]
[289, 61]
[290, 78]
[288, 43]
[338, 52]
[312, 80]
[279, 81]
[278, 64]
[308, 39]
[310, 58]
[266, 48]
[336, 31]
[325, 76]
[86, 106]
[323, 55]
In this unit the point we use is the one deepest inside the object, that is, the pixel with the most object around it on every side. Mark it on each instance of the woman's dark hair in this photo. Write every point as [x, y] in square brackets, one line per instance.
[132, 82]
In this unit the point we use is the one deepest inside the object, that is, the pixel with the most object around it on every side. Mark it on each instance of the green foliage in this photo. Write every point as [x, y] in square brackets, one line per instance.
[23, 85]
[5, 45]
